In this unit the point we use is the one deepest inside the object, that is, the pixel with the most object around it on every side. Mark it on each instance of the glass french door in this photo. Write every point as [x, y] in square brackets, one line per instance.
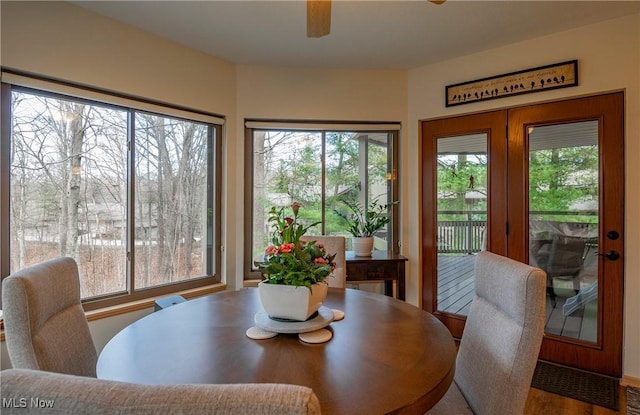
[557, 186]
[463, 199]
[461, 191]
[566, 216]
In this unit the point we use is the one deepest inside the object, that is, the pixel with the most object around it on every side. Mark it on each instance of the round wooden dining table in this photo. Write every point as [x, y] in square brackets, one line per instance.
[385, 356]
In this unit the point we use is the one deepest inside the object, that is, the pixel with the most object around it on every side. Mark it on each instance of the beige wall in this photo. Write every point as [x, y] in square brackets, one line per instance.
[609, 59]
[63, 41]
[67, 42]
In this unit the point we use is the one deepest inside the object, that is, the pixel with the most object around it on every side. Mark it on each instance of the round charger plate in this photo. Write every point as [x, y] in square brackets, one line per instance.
[322, 319]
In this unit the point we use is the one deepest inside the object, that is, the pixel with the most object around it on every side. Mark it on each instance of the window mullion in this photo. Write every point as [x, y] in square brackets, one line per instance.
[131, 182]
[5, 173]
[363, 175]
[323, 181]
[210, 210]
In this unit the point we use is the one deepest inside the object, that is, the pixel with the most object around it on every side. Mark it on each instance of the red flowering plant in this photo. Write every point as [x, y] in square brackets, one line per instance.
[290, 261]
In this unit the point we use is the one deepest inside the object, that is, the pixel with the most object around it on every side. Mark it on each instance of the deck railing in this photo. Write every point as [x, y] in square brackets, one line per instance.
[460, 236]
[467, 236]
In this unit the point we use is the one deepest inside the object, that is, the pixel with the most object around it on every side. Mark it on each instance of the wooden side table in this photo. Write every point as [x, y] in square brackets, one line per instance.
[380, 266]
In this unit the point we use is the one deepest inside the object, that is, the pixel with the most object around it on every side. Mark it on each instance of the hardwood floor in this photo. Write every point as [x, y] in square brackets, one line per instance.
[542, 403]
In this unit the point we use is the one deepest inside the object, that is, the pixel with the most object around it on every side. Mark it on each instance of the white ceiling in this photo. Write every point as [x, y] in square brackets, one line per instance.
[364, 34]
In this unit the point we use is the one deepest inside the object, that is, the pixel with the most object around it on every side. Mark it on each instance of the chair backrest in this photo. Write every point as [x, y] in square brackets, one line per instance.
[501, 341]
[337, 245]
[45, 325]
[68, 394]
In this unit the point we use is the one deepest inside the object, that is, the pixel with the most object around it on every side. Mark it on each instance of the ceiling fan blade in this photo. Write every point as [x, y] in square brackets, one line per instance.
[318, 18]
[437, 1]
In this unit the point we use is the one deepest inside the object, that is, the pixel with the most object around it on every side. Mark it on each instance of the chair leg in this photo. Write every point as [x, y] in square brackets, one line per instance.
[576, 282]
[550, 292]
[552, 296]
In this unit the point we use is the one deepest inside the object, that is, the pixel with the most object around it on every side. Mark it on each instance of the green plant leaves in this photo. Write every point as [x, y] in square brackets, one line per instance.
[365, 222]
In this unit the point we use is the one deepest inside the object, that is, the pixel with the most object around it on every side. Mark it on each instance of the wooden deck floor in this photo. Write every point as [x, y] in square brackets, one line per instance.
[455, 283]
[456, 291]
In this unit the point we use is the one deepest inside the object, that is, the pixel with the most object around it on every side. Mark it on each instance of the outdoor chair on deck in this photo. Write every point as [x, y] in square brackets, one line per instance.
[563, 259]
[45, 325]
[333, 245]
[501, 341]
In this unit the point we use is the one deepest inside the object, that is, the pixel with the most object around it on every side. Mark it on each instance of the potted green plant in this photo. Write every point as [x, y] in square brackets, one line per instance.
[363, 223]
[289, 264]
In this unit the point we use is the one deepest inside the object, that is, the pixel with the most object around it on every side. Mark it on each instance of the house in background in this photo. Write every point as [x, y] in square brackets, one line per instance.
[63, 41]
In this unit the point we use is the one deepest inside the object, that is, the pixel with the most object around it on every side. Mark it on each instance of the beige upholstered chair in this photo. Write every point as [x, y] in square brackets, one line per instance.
[501, 341]
[333, 244]
[70, 394]
[45, 325]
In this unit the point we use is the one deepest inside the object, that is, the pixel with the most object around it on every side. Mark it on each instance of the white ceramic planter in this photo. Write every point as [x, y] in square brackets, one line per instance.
[291, 302]
[362, 246]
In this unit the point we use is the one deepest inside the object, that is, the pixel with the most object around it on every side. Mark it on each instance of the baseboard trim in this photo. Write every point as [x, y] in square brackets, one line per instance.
[630, 381]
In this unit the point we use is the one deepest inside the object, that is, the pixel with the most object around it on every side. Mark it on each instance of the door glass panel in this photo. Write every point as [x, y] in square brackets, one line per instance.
[462, 218]
[563, 224]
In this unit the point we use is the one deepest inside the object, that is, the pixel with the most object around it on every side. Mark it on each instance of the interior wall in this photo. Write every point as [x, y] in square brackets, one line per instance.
[103, 330]
[67, 42]
[608, 56]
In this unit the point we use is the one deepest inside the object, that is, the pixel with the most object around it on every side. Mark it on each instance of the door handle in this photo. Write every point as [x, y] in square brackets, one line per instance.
[612, 255]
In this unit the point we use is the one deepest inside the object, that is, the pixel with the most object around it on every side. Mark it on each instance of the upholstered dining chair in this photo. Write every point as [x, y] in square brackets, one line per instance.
[45, 325]
[333, 244]
[501, 340]
[68, 394]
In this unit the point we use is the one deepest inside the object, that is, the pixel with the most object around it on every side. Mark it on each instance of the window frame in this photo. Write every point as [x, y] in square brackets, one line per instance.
[214, 187]
[393, 159]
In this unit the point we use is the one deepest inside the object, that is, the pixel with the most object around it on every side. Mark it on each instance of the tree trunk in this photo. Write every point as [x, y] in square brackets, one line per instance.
[188, 184]
[76, 132]
[166, 206]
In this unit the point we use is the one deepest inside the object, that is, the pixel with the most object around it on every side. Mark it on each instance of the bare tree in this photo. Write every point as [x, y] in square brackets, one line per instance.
[54, 147]
[175, 155]
[59, 165]
[69, 190]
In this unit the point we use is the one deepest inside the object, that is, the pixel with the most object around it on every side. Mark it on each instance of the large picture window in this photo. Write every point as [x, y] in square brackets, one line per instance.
[129, 194]
[319, 168]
